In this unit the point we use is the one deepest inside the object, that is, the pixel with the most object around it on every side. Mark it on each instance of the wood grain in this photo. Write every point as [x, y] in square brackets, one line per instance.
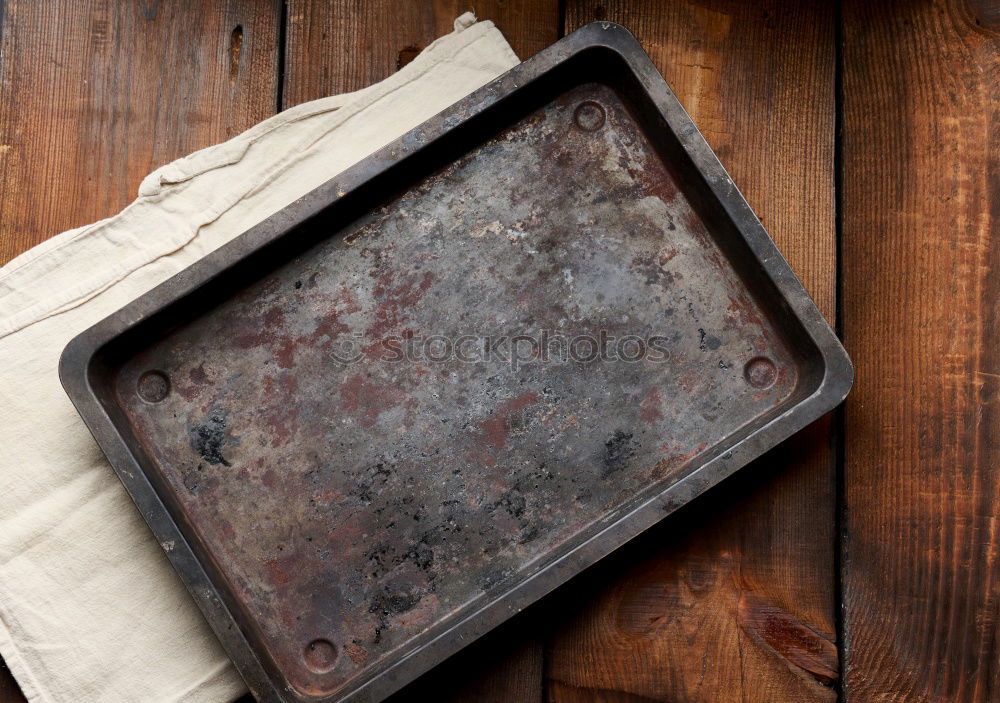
[340, 45]
[732, 600]
[921, 267]
[94, 95]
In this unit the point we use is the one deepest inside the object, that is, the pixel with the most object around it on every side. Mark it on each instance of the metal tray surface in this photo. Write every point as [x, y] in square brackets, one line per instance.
[416, 400]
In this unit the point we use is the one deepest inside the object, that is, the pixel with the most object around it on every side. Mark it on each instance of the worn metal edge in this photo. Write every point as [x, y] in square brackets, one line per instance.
[76, 362]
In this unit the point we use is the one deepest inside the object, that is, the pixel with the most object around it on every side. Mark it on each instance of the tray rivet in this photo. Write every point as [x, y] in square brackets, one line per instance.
[321, 656]
[760, 372]
[153, 386]
[589, 116]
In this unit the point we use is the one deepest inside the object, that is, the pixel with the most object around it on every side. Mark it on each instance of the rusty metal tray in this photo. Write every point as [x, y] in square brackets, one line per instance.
[350, 472]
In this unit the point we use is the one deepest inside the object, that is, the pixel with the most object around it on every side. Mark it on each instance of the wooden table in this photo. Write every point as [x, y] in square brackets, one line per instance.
[858, 560]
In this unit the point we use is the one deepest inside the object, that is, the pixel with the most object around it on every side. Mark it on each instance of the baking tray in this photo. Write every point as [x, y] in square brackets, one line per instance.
[351, 492]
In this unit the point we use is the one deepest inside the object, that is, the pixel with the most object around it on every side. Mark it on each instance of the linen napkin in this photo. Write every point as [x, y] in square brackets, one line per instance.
[90, 609]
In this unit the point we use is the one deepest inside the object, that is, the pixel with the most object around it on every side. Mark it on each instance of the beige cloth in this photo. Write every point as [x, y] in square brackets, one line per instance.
[90, 609]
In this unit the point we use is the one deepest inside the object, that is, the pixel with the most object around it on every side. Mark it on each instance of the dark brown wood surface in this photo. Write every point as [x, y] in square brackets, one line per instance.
[793, 572]
[734, 599]
[335, 46]
[921, 281]
[94, 95]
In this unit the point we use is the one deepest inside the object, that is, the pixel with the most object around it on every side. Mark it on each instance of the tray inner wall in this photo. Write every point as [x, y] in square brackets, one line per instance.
[354, 500]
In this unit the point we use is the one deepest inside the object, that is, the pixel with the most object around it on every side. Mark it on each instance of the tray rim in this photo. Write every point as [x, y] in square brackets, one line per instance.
[78, 357]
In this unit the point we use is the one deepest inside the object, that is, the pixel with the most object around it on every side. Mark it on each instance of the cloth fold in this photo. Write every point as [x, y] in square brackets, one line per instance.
[90, 609]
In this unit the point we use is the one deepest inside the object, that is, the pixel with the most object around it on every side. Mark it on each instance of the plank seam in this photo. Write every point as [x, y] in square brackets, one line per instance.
[839, 425]
[282, 12]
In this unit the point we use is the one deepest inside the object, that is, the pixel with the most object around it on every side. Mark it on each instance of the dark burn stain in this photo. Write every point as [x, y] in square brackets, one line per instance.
[386, 558]
[618, 451]
[208, 437]
[513, 503]
[386, 605]
[421, 555]
[707, 341]
[371, 481]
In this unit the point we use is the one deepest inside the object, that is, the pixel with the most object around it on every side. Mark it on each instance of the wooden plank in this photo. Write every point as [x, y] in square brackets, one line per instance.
[921, 263]
[340, 45]
[734, 599]
[335, 46]
[94, 95]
